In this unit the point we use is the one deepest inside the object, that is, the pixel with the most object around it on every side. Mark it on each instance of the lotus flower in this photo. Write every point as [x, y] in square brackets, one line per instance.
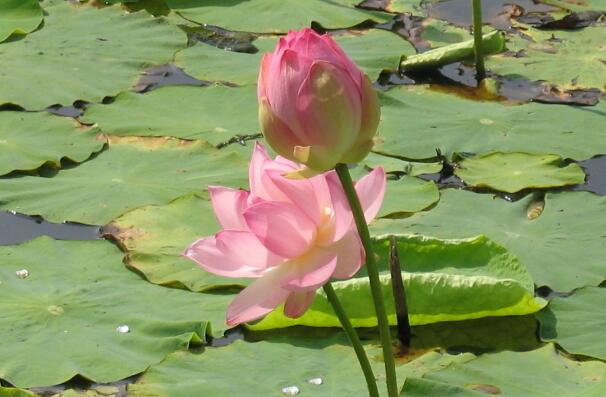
[292, 235]
[315, 106]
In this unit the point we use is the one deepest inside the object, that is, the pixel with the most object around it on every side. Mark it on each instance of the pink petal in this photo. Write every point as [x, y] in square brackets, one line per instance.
[229, 204]
[261, 185]
[350, 255]
[343, 219]
[281, 227]
[371, 191]
[310, 271]
[263, 75]
[297, 303]
[232, 253]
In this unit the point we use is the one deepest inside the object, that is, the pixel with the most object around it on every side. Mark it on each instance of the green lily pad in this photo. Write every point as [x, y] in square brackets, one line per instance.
[408, 195]
[332, 360]
[19, 16]
[576, 322]
[157, 254]
[30, 140]
[562, 247]
[68, 316]
[512, 172]
[541, 373]
[83, 53]
[445, 280]
[463, 125]
[133, 172]
[392, 165]
[15, 392]
[275, 16]
[214, 114]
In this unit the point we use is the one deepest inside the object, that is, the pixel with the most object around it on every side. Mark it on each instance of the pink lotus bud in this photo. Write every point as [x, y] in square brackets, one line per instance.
[315, 106]
[291, 235]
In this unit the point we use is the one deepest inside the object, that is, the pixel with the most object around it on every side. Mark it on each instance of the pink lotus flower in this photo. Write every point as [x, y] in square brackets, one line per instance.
[292, 235]
[315, 106]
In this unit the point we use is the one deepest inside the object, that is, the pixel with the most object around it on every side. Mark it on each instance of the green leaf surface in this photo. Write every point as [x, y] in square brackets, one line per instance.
[577, 322]
[407, 195]
[416, 121]
[538, 373]
[157, 254]
[133, 172]
[19, 16]
[83, 53]
[213, 114]
[273, 365]
[63, 318]
[562, 248]
[445, 280]
[15, 392]
[29, 140]
[394, 165]
[512, 172]
[274, 16]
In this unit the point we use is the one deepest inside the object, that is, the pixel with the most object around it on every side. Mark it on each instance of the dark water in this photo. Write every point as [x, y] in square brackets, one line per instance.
[165, 75]
[595, 168]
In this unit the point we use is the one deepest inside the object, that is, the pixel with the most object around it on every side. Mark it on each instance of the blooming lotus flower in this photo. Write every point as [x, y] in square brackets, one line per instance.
[315, 106]
[292, 235]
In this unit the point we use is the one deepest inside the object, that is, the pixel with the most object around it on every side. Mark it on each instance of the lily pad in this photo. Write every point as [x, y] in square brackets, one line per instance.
[463, 125]
[395, 165]
[206, 113]
[408, 195]
[275, 16]
[577, 322]
[512, 172]
[80, 311]
[19, 16]
[445, 280]
[157, 254]
[133, 172]
[21, 135]
[562, 248]
[515, 375]
[15, 392]
[83, 53]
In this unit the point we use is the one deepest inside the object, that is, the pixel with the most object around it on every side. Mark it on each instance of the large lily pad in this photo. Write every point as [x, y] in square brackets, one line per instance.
[19, 16]
[577, 322]
[407, 195]
[214, 114]
[63, 318]
[445, 280]
[512, 172]
[562, 248]
[513, 375]
[83, 53]
[133, 172]
[463, 125]
[157, 254]
[274, 16]
[22, 134]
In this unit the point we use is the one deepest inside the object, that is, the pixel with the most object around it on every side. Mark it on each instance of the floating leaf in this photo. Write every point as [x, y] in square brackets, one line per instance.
[19, 16]
[577, 322]
[446, 280]
[562, 248]
[83, 53]
[133, 172]
[512, 172]
[21, 135]
[15, 392]
[79, 311]
[408, 195]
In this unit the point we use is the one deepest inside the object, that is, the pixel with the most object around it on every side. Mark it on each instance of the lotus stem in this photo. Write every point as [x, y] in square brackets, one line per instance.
[477, 39]
[352, 335]
[373, 276]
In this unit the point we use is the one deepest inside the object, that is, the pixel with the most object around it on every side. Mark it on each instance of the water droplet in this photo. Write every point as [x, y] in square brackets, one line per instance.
[23, 273]
[123, 329]
[315, 381]
[290, 390]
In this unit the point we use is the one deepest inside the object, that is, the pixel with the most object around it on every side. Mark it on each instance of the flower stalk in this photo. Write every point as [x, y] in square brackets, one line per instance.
[477, 38]
[373, 276]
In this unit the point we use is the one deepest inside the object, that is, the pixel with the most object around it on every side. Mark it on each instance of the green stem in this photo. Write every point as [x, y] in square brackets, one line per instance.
[371, 382]
[477, 39]
[373, 276]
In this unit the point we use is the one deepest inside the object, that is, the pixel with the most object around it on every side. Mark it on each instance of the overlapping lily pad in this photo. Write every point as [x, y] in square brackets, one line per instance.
[19, 16]
[83, 53]
[562, 248]
[577, 322]
[513, 374]
[133, 172]
[21, 135]
[446, 280]
[408, 195]
[512, 172]
[80, 311]
[214, 114]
